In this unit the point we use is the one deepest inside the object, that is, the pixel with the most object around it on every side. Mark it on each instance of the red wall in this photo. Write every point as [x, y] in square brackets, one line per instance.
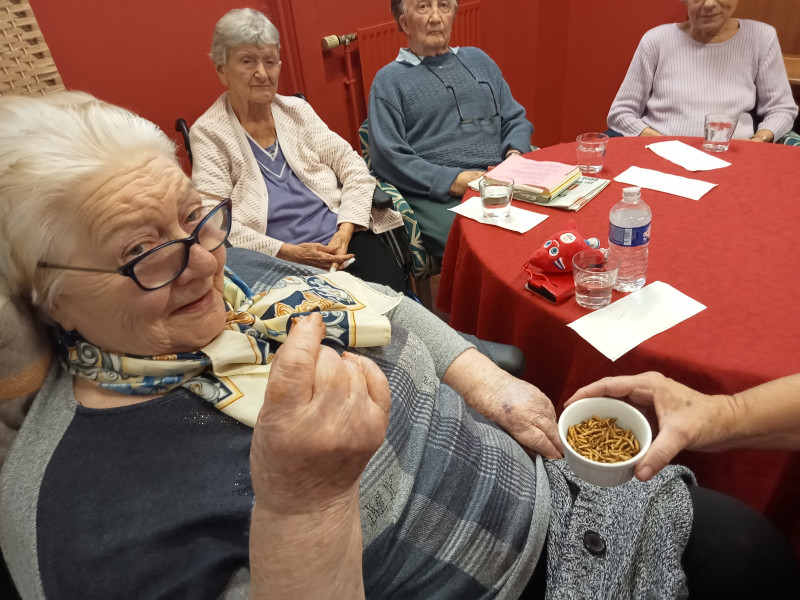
[598, 47]
[564, 59]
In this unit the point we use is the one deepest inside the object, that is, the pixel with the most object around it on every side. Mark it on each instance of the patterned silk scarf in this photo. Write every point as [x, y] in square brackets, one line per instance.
[232, 371]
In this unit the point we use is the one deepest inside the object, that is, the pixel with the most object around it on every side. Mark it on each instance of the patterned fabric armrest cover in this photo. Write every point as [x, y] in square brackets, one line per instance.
[790, 139]
[422, 265]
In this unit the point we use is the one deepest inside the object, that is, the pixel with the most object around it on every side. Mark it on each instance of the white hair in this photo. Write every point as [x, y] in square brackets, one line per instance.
[238, 27]
[53, 148]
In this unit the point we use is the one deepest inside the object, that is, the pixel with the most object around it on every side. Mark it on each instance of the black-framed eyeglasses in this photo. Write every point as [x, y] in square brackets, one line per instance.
[455, 96]
[163, 264]
[458, 107]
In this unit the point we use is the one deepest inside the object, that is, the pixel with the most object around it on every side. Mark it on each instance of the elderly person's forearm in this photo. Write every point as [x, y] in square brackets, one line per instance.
[516, 130]
[442, 341]
[515, 405]
[323, 418]
[307, 555]
[650, 132]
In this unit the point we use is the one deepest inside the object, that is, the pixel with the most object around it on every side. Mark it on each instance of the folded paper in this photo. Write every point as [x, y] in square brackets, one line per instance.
[626, 323]
[519, 220]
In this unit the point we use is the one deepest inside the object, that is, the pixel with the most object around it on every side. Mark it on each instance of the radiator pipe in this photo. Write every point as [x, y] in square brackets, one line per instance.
[329, 42]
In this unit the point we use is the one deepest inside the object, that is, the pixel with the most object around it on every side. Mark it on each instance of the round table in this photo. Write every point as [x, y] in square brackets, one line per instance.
[734, 251]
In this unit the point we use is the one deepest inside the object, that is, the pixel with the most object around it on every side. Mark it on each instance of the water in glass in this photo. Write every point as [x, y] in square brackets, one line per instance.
[593, 288]
[590, 158]
[717, 136]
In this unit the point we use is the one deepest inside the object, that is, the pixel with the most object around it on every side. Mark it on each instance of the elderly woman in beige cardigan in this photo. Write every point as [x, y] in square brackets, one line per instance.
[299, 190]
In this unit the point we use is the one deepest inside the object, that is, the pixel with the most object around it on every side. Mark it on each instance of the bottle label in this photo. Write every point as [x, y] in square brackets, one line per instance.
[628, 236]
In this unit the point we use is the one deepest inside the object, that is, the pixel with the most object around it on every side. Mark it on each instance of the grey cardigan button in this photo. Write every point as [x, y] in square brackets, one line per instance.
[594, 543]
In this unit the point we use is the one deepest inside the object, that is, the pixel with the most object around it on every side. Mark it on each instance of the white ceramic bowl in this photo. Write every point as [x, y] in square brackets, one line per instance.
[604, 474]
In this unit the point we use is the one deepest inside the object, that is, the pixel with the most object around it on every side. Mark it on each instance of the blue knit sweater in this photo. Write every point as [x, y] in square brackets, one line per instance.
[420, 142]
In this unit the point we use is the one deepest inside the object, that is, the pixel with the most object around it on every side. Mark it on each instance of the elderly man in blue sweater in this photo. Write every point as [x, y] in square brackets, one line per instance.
[439, 116]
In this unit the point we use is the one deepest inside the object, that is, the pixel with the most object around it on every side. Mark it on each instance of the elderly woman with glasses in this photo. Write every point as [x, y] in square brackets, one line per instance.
[439, 116]
[710, 63]
[299, 191]
[220, 423]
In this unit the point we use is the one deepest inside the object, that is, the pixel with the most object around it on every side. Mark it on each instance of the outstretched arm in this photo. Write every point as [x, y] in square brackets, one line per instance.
[323, 418]
[518, 407]
[766, 416]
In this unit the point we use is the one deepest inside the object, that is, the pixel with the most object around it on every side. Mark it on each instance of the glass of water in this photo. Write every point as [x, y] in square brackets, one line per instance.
[595, 274]
[718, 130]
[591, 152]
[496, 194]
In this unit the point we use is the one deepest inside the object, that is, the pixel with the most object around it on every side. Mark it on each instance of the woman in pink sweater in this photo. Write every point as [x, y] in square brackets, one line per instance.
[711, 62]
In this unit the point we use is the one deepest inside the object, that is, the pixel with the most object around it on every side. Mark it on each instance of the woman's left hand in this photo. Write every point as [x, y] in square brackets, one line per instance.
[525, 413]
[520, 408]
[763, 135]
[341, 239]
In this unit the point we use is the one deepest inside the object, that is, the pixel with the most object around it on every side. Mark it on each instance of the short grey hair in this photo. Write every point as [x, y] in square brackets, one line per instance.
[398, 8]
[238, 27]
[55, 150]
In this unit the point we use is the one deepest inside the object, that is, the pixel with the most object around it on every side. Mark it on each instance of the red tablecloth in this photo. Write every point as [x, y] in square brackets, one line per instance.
[736, 251]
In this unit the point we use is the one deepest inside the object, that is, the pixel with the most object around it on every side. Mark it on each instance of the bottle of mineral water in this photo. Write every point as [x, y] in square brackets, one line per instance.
[629, 239]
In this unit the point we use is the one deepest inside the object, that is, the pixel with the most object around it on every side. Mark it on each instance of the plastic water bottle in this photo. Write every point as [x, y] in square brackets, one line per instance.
[629, 239]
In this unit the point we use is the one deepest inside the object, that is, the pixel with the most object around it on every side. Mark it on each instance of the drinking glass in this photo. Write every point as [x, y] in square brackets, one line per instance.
[496, 197]
[718, 130]
[591, 152]
[595, 274]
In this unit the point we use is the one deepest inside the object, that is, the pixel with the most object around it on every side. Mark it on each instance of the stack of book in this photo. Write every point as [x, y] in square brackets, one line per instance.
[575, 195]
[547, 183]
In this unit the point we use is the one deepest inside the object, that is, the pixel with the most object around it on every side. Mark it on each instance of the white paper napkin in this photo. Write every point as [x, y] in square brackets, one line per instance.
[687, 157]
[663, 182]
[519, 220]
[626, 323]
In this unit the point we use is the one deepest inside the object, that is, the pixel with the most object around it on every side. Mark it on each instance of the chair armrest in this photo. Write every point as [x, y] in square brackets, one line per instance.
[381, 199]
[790, 139]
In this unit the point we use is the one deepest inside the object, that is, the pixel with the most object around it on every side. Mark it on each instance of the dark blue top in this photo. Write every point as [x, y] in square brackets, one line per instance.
[295, 214]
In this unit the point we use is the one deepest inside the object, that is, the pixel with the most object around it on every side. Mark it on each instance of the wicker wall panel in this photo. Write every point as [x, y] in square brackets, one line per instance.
[26, 66]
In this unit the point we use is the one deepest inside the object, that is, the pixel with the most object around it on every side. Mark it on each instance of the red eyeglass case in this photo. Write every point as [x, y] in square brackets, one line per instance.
[554, 287]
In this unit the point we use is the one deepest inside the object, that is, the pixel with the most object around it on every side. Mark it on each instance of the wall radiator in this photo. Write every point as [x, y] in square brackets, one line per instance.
[378, 44]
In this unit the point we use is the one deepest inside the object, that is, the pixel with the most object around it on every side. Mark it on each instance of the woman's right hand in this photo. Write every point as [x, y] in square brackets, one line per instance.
[323, 418]
[687, 419]
[461, 183]
[313, 254]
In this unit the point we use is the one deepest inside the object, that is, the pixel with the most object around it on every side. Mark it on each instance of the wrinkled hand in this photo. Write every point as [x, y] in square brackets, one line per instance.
[686, 418]
[341, 240]
[461, 182]
[323, 418]
[310, 253]
[519, 408]
[526, 414]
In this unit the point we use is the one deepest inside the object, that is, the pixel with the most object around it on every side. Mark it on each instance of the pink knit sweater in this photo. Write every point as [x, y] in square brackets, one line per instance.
[673, 81]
